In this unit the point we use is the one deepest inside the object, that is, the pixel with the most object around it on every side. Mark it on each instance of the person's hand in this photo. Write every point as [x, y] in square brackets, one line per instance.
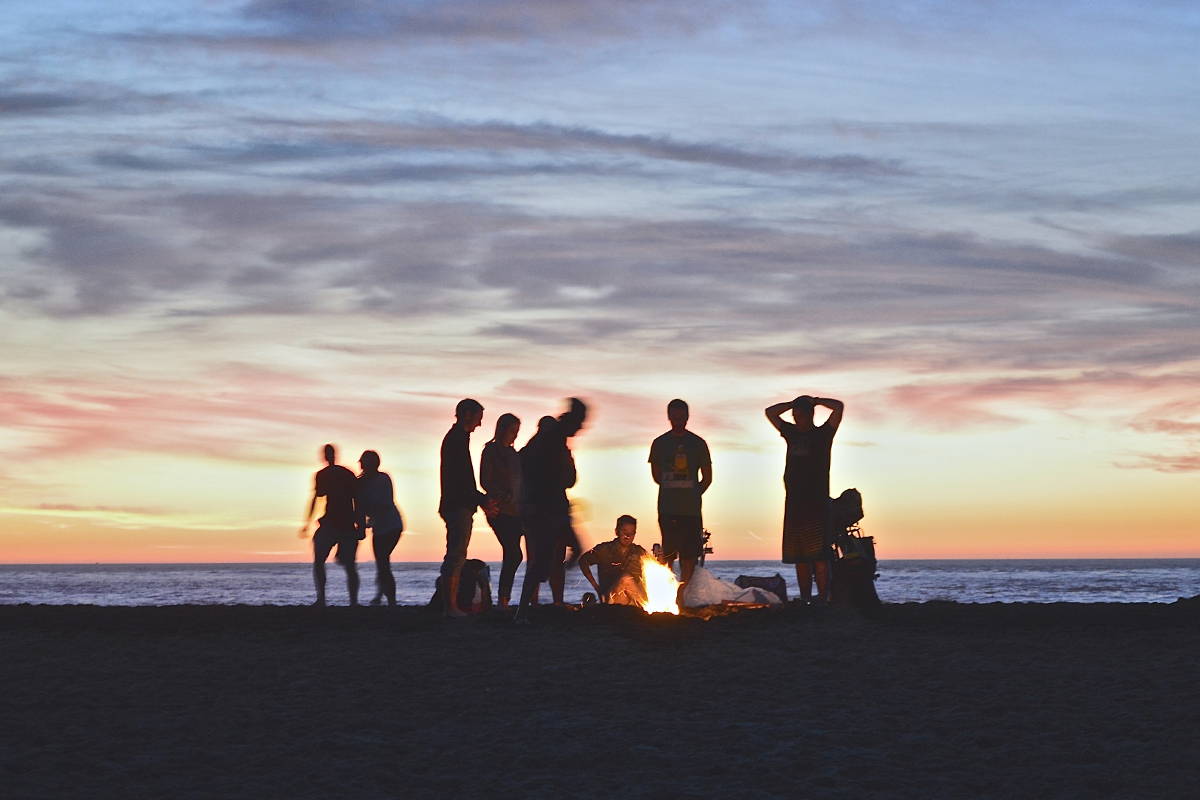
[303, 533]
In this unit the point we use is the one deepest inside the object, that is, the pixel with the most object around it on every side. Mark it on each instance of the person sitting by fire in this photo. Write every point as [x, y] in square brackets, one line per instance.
[619, 563]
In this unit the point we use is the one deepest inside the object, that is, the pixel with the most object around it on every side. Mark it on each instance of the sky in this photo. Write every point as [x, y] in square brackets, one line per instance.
[233, 231]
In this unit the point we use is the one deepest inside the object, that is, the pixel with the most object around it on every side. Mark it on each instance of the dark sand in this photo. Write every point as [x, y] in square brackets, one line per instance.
[931, 701]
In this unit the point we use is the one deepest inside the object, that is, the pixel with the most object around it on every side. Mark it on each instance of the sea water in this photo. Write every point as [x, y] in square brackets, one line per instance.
[963, 581]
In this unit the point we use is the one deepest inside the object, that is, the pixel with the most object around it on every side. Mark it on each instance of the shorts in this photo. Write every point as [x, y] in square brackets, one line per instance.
[458, 537]
[682, 536]
[326, 538]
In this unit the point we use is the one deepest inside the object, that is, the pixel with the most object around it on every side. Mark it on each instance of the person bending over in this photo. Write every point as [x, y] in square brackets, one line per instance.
[619, 563]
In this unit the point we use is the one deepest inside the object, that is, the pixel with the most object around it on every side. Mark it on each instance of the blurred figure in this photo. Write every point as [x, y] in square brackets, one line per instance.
[377, 510]
[619, 563]
[547, 471]
[460, 497]
[807, 534]
[681, 466]
[337, 527]
[500, 475]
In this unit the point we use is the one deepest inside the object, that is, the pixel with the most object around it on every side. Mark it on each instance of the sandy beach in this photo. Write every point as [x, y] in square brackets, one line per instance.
[930, 700]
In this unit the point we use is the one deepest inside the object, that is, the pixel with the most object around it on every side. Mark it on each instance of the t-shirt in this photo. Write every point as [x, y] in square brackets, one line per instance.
[611, 563]
[677, 461]
[807, 469]
[337, 485]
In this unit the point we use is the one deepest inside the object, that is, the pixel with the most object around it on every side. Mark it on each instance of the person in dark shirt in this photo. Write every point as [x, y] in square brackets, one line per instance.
[807, 534]
[500, 475]
[460, 497]
[619, 563]
[337, 526]
[377, 510]
[682, 468]
[547, 471]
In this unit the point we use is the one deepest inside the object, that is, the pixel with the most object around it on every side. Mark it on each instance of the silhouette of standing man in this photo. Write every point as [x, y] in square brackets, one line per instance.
[460, 498]
[681, 466]
[807, 534]
[337, 526]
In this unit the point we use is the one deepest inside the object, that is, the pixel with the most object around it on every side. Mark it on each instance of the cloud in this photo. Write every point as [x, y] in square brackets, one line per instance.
[16, 103]
[487, 20]
[492, 137]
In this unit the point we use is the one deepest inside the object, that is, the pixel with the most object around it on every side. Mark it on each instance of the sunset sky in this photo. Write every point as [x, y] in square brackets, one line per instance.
[233, 231]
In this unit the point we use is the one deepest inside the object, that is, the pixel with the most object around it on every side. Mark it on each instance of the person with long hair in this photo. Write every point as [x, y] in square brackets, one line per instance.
[377, 510]
[500, 476]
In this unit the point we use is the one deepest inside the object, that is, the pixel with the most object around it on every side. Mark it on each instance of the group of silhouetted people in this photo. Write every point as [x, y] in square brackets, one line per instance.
[524, 497]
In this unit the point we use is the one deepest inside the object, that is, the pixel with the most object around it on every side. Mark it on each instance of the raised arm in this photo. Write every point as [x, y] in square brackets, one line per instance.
[836, 407]
[774, 414]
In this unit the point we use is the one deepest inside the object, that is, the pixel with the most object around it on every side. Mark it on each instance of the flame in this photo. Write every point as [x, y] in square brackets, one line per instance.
[661, 587]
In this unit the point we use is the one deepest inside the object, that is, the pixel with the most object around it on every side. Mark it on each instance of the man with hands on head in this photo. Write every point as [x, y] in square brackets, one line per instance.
[807, 535]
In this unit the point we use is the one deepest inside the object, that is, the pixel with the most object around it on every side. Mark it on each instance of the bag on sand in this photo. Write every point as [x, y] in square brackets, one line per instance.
[706, 589]
[775, 585]
[474, 588]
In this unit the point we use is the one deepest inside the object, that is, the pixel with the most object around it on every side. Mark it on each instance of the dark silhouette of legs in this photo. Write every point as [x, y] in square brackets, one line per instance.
[323, 544]
[508, 531]
[385, 582]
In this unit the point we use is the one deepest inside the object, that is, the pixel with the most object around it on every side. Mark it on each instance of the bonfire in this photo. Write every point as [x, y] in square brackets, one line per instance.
[662, 588]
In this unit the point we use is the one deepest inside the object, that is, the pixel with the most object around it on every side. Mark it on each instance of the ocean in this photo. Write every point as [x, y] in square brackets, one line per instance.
[963, 581]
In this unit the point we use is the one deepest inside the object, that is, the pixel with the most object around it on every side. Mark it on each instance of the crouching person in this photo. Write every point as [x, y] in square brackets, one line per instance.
[619, 563]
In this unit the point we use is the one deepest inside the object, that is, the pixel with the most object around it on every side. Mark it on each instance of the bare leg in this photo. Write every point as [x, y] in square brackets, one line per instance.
[319, 580]
[352, 582]
[821, 571]
[804, 578]
[687, 567]
[558, 581]
[452, 609]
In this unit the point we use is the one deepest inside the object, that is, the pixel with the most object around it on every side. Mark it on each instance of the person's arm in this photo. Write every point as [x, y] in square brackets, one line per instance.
[706, 475]
[569, 474]
[360, 507]
[312, 506]
[585, 566]
[836, 407]
[774, 414]
[653, 466]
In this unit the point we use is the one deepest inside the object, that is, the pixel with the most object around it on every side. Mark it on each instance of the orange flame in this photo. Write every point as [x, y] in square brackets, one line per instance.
[661, 587]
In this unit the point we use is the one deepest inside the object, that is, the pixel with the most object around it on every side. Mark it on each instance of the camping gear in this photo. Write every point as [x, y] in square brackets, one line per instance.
[776, 585]
[854, 569]
[706, 589]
